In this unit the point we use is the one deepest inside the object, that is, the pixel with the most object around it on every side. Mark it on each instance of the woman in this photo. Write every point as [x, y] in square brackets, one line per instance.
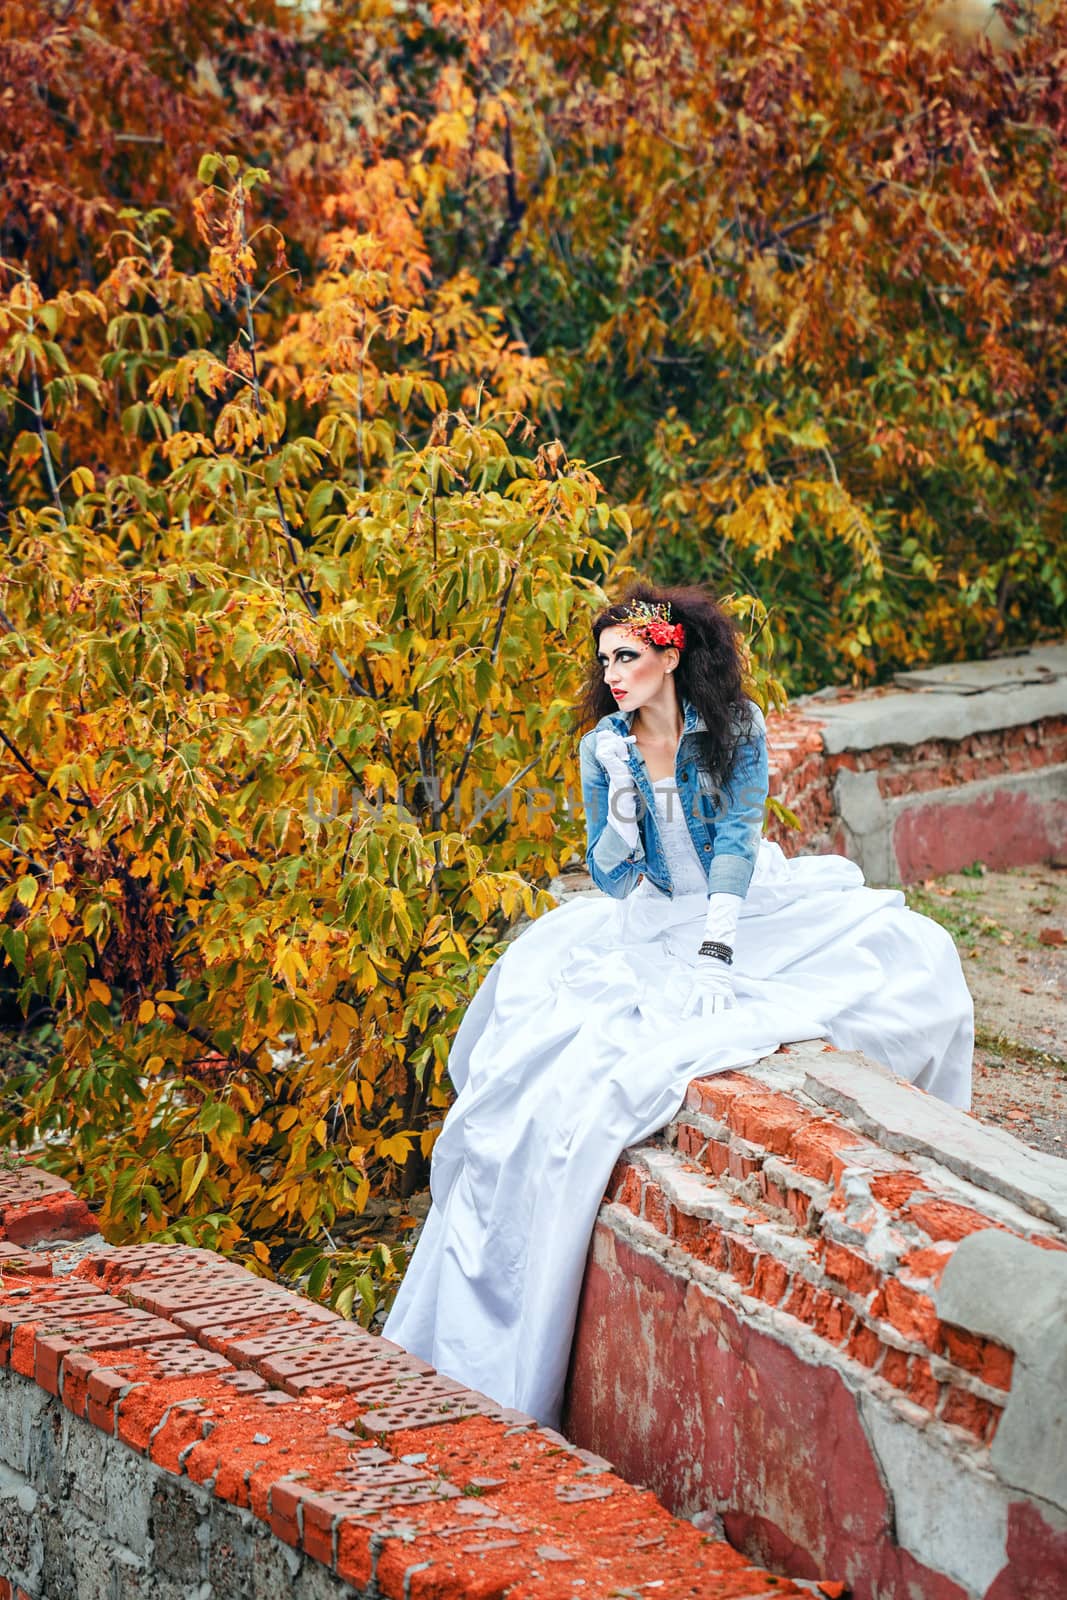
[708, 950]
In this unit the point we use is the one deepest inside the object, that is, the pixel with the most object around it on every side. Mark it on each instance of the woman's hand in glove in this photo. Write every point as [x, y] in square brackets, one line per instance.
[712, 991]
[612, 751]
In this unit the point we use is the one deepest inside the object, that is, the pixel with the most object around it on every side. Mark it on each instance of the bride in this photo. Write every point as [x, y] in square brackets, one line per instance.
[706, 951]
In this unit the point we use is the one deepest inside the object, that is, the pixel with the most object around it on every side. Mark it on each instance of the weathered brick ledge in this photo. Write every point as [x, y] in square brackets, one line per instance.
[834, 1311]
[953, 764]
[173, 1427]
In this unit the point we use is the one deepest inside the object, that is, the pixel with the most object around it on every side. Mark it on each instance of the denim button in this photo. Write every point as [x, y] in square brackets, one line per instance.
[707, 847]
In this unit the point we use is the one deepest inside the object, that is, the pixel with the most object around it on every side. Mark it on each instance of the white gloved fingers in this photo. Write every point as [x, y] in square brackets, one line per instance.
[712, 990]
[698, 1006]
[613, 753]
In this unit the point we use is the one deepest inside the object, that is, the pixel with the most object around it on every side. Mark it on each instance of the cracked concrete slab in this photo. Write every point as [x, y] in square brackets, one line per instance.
[946, 1514]
[949, 702]
[1039, 665]
[891, 1112]
[1028, 1314]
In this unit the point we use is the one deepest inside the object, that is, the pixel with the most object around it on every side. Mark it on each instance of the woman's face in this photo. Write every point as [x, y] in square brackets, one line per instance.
[634, 671]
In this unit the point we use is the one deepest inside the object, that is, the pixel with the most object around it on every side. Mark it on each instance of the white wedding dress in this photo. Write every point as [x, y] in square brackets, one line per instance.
[573, 1048]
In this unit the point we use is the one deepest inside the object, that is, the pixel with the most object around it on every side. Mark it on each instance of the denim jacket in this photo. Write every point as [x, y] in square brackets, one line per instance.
[724, 827]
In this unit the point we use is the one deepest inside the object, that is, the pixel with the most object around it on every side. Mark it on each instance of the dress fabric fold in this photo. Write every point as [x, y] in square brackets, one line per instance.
[572, 1049]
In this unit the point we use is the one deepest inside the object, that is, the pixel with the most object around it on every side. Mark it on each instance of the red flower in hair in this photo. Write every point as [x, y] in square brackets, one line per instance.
[666, 633]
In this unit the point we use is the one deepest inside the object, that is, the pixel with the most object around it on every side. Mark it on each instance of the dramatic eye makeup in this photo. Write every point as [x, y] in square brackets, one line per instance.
[623, 651]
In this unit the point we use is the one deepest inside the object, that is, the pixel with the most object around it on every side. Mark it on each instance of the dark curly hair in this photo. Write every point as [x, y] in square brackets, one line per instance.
[709, 672]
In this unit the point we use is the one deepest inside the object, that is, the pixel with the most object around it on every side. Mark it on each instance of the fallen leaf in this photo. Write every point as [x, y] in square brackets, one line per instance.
[1051, 936]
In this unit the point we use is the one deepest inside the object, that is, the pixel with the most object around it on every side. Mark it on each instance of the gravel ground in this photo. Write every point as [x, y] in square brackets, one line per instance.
[1011, 931]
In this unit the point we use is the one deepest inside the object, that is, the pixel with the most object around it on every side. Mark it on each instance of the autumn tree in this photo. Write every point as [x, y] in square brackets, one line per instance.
[297, 568]
[802, 270]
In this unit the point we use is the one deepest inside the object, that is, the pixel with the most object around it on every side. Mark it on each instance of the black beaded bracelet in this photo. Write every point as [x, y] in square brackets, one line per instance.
[722, 952]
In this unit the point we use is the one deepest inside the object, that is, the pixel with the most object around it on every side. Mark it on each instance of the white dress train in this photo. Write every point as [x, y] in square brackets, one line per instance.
[572, 1049]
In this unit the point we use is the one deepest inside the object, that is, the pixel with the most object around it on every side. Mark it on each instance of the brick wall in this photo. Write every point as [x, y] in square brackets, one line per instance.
[823, 1334]
[173, 1428]
[950, 766]
[812, 1308]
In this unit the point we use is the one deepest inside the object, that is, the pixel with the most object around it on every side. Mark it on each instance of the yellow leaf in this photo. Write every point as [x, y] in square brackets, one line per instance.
[260, 1251]
[100, 991]
[27, 891]
[145, 1011]
[168, 994]
[60, 872]
[153, 1065]
[320, 1132]
[193, 1169]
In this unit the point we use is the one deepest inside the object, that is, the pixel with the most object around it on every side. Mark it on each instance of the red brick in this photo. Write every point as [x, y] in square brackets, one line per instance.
[690, 1141]
[616, 1181]
[742, 1262]
[716, 1157]
[282, 1503]
[986, 1360]
[928, 1265]
[816, 1149]
[895, 1189]
[854, 1271]
[771, 1280]
[20, 1263]
[630, 1193]
[49, 1351]
[770, 1120]
[965, 1410]
[717, 1094]
[864, 1345]
[912, 1314]
[832, 1319]
[743, 1163]
[654, 1206]
[801, 1300]
[894, 1368]
[923, 1387]
[702, 1240]
[772, 1192]
[943, 1219]
[54, 1216]
[799, 1205]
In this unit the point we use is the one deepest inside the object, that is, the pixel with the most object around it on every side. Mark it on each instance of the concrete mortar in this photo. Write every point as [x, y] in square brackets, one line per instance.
[113, 1526]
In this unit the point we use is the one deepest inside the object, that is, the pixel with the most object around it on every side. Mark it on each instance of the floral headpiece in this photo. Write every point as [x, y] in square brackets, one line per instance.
[652, 622]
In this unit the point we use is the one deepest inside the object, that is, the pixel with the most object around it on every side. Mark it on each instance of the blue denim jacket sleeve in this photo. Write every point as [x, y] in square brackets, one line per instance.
[739, 822]
[613, 867]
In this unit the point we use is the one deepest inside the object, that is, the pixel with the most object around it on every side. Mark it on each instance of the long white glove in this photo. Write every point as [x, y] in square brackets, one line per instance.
[713, 987]
[720, 923]
[610, 750]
